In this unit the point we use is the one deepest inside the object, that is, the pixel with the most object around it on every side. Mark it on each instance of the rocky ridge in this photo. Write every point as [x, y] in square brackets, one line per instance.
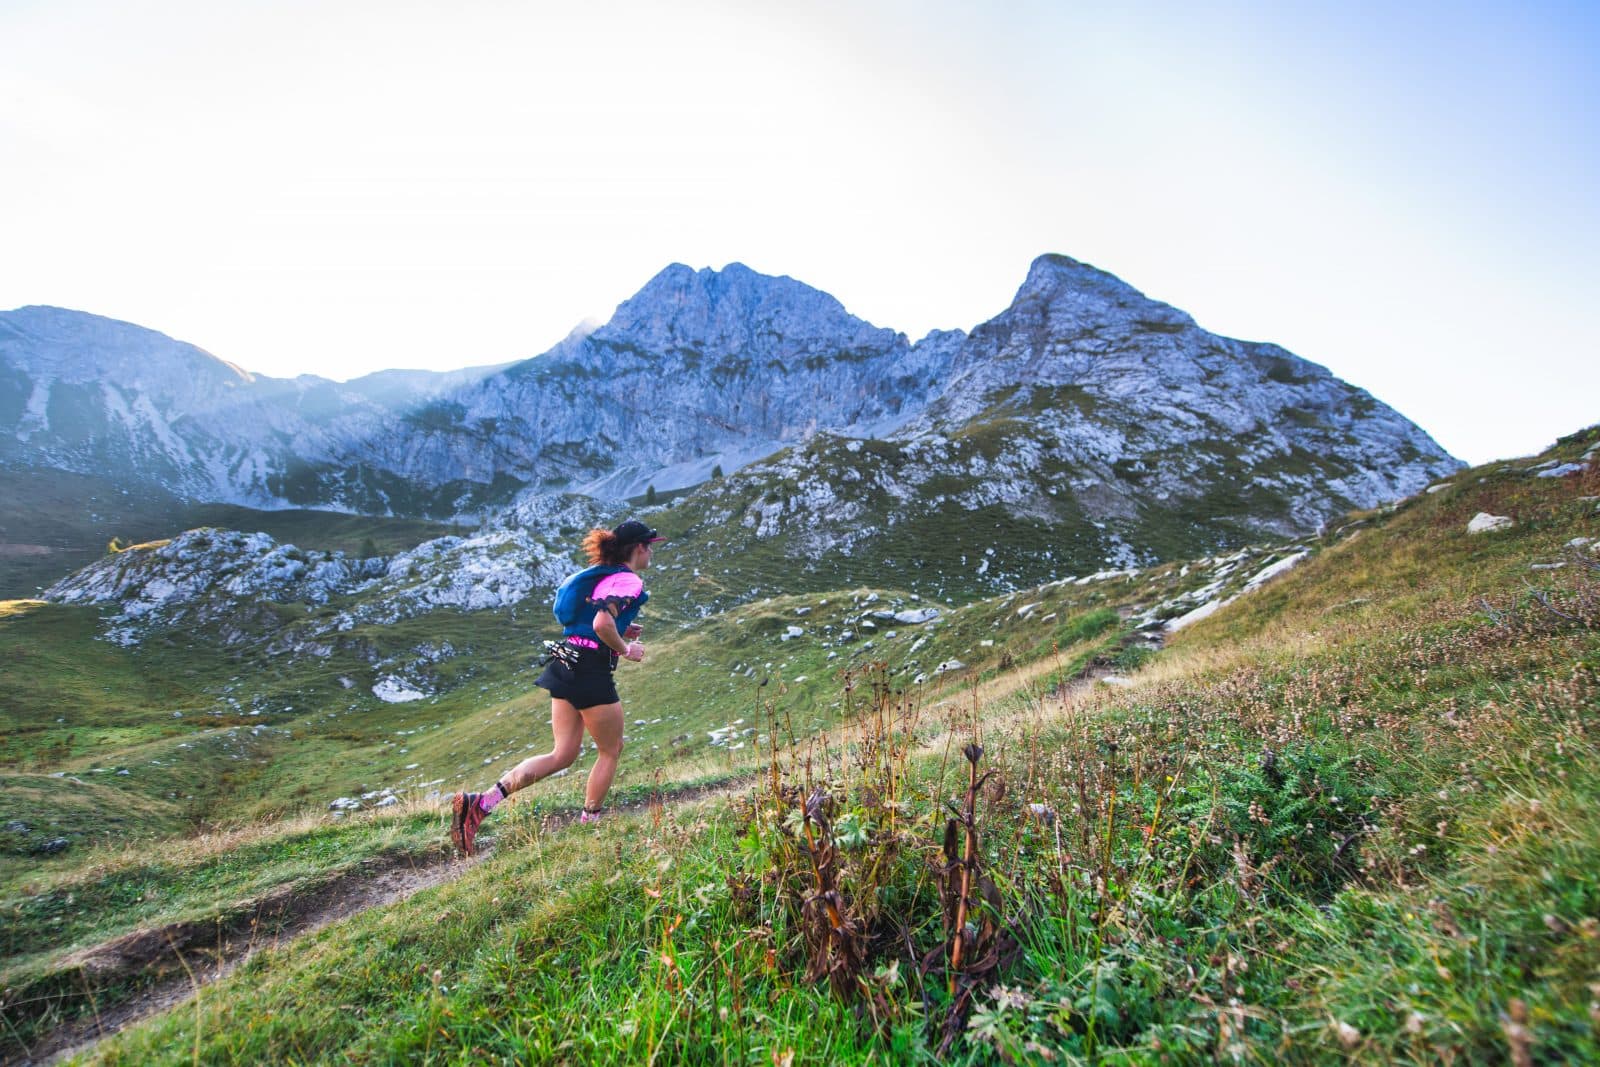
[1123, 397]
[1092, 427]
[699, 369]
[93, 395]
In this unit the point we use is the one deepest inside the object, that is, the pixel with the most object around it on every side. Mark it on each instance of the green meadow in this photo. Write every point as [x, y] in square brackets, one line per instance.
[1349, 815]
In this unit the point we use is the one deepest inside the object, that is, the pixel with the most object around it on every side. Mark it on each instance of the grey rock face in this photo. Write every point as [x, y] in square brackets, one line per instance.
[1083, 398]
[1103, 429]
[1113, 377]
[96, 396]
[699, 369]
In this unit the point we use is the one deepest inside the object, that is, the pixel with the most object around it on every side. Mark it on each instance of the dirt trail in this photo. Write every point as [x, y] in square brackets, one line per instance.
[197, 953]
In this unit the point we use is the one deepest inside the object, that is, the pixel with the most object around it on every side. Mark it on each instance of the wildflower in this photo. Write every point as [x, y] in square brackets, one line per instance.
[1007, 997]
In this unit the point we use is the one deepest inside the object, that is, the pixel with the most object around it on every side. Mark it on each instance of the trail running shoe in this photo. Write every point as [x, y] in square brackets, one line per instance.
[592, 816]
[465, 818]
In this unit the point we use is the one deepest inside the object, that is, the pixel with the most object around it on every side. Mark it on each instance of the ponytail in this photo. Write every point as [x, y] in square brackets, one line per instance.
[600, 546]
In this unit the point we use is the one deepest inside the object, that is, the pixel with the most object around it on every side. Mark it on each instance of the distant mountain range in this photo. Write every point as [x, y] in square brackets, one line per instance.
[1083, 405]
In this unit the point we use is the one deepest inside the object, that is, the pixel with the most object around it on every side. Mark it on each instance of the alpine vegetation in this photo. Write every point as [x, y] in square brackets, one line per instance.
[1320, 799]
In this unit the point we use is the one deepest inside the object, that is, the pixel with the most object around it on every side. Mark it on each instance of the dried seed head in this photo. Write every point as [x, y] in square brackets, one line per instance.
[973, 752]
[816, 803]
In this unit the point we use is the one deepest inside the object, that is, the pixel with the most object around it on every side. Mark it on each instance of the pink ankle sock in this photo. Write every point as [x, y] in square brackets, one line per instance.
[487, 801]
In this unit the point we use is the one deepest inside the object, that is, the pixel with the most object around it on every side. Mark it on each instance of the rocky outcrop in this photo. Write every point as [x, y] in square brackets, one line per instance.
[208, 574]
[487, 571]
[229, 579]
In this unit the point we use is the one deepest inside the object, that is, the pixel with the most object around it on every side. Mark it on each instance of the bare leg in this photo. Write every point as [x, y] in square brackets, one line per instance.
[567, 726]
[604, 723]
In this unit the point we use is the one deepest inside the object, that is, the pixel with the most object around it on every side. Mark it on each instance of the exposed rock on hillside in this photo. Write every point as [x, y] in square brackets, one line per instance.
[207, 574]
[1143, 406]
[491, 570]
[227, 578]
[1086, 426]
[1483, 522]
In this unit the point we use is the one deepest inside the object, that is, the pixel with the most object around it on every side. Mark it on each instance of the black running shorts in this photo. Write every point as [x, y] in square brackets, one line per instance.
[588, 684]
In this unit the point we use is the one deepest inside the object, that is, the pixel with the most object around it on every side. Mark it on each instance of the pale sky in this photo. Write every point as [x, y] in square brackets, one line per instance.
[1407, 197]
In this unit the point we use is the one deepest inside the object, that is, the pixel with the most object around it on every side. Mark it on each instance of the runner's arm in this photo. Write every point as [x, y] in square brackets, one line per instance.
[605, 628]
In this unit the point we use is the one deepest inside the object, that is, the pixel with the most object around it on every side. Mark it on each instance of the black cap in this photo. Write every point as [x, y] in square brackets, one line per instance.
[633, 532]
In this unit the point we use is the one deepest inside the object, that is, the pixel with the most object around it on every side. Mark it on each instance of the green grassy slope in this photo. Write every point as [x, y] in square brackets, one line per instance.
[1350, 814]
[191, 729]
[184, 732]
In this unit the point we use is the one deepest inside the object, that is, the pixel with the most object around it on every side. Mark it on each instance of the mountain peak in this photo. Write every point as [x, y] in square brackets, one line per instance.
[730, 364]
[679, 280]
[1073, 288]
[730, 308]
[1053, 272]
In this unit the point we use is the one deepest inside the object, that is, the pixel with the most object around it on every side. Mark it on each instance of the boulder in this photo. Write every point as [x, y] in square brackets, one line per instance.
[392, 690]
[916, 616]
[1483, 522]
[1271, 571]
[1196, 615]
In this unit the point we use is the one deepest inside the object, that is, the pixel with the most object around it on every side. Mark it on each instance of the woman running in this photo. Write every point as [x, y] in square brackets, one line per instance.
[596, 608]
